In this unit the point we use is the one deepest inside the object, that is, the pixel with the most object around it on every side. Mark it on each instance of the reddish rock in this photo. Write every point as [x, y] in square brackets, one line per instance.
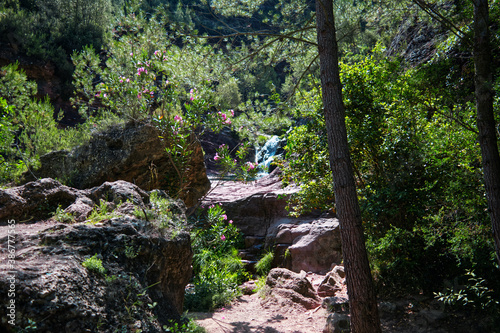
[296, 287]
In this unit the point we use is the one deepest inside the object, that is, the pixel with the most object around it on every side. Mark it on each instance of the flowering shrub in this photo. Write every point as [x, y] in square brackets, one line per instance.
[144, 78]
[239, 166]
[217, 268]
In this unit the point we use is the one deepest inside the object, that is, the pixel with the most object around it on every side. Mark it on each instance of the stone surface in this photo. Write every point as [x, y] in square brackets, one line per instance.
[132, 152]
[253, 206]
[38, 200]
[35, 200]
[283, 283]
[258, 209]
[337, 323]
[333, 282]
[147, 269]
[313, 244]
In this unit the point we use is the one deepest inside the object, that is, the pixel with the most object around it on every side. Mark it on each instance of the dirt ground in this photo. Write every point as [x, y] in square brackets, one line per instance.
[254, 314]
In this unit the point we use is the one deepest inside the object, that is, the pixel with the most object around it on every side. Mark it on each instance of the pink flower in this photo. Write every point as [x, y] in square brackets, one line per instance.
[224, 217]
[178, 118]
[250, 165]
[223, 237]
[141, 70]
[228, 122]
[139, 95]
[232, 112]
[230, 221]
[128, 80]
[105, 95]
[216, 157]
[121, 80]
[131, 53]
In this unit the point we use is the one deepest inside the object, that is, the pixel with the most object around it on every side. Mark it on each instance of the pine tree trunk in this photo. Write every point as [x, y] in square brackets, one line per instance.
[483, 81]
[362, 298]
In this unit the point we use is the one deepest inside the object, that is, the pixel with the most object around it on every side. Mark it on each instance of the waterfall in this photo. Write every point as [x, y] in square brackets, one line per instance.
[265, 155]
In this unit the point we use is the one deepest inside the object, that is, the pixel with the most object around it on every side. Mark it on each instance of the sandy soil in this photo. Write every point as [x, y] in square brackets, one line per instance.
[253, 314]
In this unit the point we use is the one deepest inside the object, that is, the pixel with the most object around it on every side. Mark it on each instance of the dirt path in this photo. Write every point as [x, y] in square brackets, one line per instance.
[253, 314]
[250, 314]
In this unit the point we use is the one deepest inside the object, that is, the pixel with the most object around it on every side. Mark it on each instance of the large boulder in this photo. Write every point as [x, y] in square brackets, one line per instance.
[258, 209]
[133, 152]
[138, 285]
[253, 206]
[311, 244]
[283, 285]
[38, 200]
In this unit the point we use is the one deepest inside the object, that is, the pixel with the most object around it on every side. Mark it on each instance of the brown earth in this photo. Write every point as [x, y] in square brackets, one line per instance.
[252, 313]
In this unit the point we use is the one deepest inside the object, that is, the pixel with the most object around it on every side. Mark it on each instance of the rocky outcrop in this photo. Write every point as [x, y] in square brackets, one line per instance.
[258, 209]
[308, 243]
[333, 282]
[253, 206]
[132, 152]
[136, 272]
[38, 200]
[285, 286]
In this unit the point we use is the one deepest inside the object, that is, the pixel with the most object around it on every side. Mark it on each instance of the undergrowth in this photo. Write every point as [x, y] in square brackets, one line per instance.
[218, 271]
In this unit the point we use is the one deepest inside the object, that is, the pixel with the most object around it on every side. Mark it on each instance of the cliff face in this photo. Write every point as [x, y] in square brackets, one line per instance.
[135, 272]
[132, 152]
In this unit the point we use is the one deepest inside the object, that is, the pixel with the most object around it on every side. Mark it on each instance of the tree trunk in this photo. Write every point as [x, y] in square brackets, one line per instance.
[362, 298]
[483, 81]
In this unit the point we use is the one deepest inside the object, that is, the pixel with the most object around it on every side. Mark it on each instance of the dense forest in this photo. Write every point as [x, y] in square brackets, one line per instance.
[408, 71]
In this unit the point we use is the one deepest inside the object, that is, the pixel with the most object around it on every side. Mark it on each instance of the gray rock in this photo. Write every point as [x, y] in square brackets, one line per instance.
[337, 323]
[131, 152]
[52, 287]
[258, 209]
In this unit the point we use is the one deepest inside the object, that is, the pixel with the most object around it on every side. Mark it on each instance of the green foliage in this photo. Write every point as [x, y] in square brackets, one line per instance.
[306, 163]
[239, 167]
[186, 327]
[101, 213]
[94, 264]
[217, 268]
[53, 29]
[22, 116]
[61, 216]
[416, 163]
[264, 265]
[473, 295]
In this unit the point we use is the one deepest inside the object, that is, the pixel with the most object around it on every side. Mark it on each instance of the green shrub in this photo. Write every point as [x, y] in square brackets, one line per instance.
[61, 216]
[187, 327]
[94, 264]
[264, 265]
[218, 270]
[28, 126]
[100, 213]
[474, 294]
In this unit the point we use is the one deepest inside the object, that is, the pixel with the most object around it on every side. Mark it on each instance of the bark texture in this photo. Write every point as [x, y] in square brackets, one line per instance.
[362, 298]
[485, 118]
